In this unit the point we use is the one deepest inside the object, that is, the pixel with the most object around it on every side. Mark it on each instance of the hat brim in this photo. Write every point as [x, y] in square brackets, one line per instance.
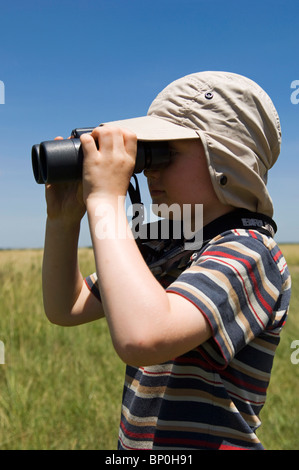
[150, 128]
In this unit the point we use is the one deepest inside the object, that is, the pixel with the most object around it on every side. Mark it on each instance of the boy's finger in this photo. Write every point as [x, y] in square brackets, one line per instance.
[108, 138]
[130, 141]
[88, 143]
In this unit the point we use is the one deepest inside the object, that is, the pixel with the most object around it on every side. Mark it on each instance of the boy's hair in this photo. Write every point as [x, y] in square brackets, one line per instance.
[237, 124]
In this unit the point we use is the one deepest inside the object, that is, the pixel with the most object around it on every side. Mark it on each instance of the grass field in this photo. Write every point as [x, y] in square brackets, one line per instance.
[60, 388]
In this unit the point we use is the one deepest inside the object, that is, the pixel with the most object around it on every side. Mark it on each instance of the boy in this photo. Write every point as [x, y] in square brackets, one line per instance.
[199, 336]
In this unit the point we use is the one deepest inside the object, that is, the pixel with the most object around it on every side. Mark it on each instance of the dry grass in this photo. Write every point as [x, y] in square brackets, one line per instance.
[61, 387]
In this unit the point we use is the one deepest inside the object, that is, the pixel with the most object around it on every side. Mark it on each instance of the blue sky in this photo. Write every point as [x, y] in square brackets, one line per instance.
[67, 64]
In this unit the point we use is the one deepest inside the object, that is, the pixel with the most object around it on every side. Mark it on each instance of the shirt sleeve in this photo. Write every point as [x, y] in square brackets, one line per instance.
[92, 284]
[236, 285]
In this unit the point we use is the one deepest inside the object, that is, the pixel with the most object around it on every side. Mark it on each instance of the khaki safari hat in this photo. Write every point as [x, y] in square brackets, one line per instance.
[237, 123]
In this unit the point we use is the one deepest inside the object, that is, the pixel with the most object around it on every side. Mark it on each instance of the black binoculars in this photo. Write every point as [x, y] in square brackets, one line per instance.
[57, 161]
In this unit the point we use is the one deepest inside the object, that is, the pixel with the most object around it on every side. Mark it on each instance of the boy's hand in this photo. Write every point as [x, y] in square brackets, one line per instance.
[107, 169]
[64, 201]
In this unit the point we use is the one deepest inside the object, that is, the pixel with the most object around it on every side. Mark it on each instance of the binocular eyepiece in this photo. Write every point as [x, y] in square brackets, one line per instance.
[56, 161]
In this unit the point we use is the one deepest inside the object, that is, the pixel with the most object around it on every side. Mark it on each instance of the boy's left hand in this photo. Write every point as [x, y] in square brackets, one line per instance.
[109, 161]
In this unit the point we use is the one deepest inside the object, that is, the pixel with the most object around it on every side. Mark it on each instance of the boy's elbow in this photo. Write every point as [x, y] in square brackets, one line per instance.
[137, 351]
[55, 319]
[133, 356]
[58, 317]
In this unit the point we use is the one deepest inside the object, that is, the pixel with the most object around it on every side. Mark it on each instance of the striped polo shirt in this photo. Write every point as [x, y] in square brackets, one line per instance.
[211, 397]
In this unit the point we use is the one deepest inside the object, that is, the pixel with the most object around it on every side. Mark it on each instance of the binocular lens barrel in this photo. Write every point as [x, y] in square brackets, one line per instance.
[57, 161]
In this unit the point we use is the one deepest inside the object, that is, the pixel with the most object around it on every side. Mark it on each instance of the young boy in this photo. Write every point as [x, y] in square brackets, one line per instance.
[200, 332]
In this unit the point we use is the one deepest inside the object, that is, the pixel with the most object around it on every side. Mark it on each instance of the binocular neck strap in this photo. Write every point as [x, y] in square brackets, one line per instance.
[134, 192]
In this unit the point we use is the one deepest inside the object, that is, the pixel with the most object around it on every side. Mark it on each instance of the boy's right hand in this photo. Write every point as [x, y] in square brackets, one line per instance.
[65, 201]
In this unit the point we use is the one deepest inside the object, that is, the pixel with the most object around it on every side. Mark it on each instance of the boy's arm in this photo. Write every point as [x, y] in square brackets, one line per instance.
[147, 325]
[67, 299]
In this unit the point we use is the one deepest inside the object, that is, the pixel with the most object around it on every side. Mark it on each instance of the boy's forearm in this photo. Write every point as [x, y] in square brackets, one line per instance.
[131, 296]
[62, 280]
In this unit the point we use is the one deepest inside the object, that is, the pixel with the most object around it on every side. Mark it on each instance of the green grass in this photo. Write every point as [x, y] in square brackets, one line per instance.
[280, 417]
[60, 388]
